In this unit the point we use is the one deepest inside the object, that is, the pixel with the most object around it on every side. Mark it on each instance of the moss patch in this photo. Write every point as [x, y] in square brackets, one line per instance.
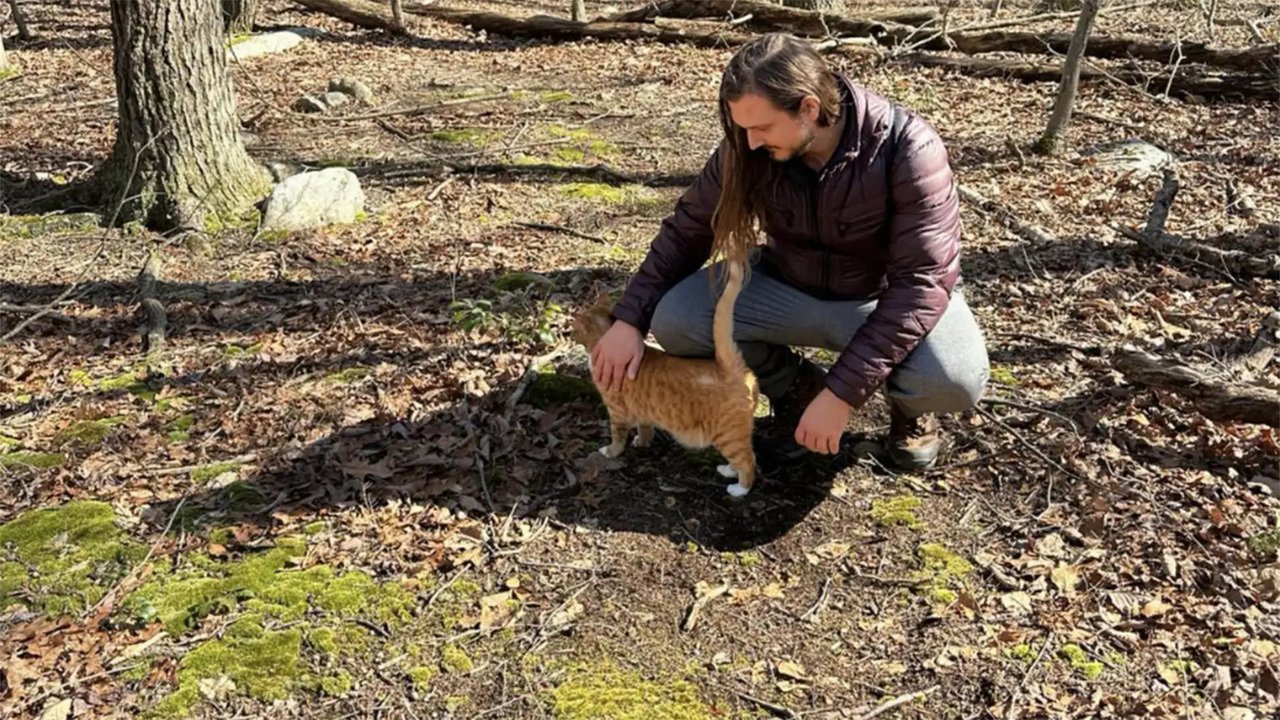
[346, 376]
[514, 281]
[550, 389]
[1265, 544]
[896, 510]
[14, 227]
[606, 692]
[205, 473]
[62, 560]
[86, 433]
[942, 570]
[455, 660]
[462, 135]
[594, 191]
[1003, 375]
[30, 460]
[1079, 661]
[179, 430]
[422, 676]
[556, 96]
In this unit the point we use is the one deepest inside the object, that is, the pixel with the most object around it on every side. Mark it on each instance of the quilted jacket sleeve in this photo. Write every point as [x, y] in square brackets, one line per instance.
[682, 245]
[923, 265]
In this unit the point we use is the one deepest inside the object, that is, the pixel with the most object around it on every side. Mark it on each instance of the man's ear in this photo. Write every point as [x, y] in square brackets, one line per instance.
[810, 108]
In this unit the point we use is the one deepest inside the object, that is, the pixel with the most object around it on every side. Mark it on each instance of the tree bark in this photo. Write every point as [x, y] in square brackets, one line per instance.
[578, 11]
[1187, 82]
[20, 19]
[397, 14]
[1061, 116]
[770, 13]
[238, 16]
[4, 59]
[1216, 400]
[177, 159]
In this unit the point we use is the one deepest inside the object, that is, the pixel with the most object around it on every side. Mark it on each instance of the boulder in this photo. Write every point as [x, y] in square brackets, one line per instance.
[314, 199]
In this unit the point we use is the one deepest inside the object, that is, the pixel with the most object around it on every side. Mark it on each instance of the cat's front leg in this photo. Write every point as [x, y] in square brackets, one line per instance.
[618, 435]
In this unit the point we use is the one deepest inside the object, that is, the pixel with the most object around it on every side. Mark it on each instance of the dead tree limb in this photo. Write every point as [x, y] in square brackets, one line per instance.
[1193, 83]
[777, 16]
[1216, 400]
[153, 329]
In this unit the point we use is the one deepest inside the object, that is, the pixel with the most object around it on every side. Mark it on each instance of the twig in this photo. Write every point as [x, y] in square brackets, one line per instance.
[562, 229]
[812, 613]
[246, 458]
[1026, 443]
[108, 601]
[502, 150]
[443, 587]
[484, 482]
[1036, 409]
[777, 710]
[692, 618]
[496, 708]
[900, 700]
[530, 372]
[438, 188]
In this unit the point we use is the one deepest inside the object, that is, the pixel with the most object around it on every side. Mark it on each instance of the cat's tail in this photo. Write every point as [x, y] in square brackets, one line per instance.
[728, 357]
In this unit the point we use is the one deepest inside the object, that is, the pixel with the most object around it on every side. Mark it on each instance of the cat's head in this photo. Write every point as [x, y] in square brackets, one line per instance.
[593, 321]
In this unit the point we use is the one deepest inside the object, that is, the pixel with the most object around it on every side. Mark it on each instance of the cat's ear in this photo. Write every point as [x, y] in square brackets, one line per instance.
[600, 294]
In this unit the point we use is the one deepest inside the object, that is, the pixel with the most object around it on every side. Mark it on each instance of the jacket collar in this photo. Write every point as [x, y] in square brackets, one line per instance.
[852, 104]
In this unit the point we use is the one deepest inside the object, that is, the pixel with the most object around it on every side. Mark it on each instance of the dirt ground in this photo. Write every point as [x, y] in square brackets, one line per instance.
[328, 504]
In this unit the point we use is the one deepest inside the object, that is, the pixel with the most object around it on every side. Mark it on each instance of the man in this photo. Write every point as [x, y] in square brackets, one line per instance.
[858, 202]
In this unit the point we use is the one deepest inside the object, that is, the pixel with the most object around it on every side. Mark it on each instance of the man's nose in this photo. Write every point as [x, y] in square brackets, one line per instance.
[754, 140]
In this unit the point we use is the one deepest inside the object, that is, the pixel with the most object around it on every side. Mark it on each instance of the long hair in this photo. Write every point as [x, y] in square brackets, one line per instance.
[784, 70]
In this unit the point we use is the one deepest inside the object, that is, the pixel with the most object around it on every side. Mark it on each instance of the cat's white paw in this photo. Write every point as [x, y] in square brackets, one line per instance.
[737, 490]
[727, 470]
[608, 452]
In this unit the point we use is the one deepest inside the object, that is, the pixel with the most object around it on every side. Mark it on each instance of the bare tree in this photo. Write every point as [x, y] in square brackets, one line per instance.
[238, 16]
[1061, 116]
[397, 13]
[19, 19]
[4, 59]
[578, 11]
[177, 154]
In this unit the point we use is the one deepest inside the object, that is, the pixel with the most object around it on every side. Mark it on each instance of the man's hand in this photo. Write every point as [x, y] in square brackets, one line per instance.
[823, 423]
[618, 353]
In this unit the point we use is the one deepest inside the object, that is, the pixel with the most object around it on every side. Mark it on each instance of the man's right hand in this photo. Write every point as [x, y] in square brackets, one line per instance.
[617, 354]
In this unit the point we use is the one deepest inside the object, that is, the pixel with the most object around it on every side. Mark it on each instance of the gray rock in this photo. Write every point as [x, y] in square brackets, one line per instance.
[353, 87]
[313, 199]
[1132, 155]
[309, 104]
[333, 99]
[264, 44]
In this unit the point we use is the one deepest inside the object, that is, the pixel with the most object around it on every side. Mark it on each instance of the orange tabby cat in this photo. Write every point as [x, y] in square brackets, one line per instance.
[701, 402]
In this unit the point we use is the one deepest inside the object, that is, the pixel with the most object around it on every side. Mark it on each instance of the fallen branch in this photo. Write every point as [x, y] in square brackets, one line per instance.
[899, 701]
[767, 16]
[1032, 233]
[743, 10]
[562, 229]
[1029, 19]
[811, 615]
[409, 112]
[153, 330]
[1188, 82]
[703, 598]
[777, 710]
[1215, 399]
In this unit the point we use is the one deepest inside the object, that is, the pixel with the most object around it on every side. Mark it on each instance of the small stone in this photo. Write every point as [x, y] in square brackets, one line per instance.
[313, 199]
[309, 104]
[263, 44]
[333, 98]
[1131, 155]
[353, 87]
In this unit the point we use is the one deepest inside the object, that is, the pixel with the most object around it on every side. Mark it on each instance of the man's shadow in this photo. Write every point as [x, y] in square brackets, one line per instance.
[527, 448]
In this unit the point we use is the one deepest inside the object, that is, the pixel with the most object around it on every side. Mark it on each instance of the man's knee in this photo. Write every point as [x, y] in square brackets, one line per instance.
[679, 324]
[943, 394]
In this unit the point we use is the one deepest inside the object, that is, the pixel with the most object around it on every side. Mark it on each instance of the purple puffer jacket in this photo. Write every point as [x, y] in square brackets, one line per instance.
[854, 241]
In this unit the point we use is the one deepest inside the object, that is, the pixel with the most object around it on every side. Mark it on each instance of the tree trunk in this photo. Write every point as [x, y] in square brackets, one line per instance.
[177, 159]
[578, 11]
[1061, 117]
[397, 14]
[238, 15]
[4, 59]
[831, 6]
[20, 19]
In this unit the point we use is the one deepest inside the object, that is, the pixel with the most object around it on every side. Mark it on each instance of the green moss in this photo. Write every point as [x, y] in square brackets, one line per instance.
[324, 640]
[346, 376]
[242, 496]
[455, 659]
[942, 569]
[422, 676]
[606, 692]
[205, 473]
[1003, 375]
[1079, 661]
[336, 685]
[454, 703]
[594, 191]
[30, 460]
[6, 441]
[235, 351]
[215, 224]
[139, 670]
[748, 559]
[555, 96]
[897, 510]
[61, 560]
[266, 667]
[86, 433]
[550, 389]
[314, 528]
[32, 226]
[462, 135]
[1021, 652]
[569, 155]
[1265, 544]
[179, 430]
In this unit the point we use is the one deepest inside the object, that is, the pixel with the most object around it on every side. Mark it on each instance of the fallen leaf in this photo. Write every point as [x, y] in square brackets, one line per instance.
[1065, 578]
[568, 614]
[772, 590]
[60, 710]
[216, 688]
[790, 669]
[1017, 602]
[1155, 608]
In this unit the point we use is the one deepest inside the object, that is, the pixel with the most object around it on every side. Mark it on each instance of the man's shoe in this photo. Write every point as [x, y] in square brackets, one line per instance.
[913, 442]
[778, 433]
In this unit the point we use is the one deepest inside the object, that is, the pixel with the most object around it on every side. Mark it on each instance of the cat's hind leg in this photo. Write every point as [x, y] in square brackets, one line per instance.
[644, 436]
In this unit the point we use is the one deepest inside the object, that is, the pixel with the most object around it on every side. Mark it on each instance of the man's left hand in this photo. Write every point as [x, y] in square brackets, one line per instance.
[823, 423]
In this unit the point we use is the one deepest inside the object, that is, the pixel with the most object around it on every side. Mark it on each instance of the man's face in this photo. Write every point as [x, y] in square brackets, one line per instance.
[782, 134]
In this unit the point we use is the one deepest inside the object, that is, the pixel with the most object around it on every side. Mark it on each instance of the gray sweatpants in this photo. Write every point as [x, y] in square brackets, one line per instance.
[946, 373]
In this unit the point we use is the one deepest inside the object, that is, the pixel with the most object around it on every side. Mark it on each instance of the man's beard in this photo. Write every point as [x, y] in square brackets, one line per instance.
[806, 142]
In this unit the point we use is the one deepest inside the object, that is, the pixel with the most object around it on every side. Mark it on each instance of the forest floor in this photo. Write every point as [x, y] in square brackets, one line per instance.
[327, 504]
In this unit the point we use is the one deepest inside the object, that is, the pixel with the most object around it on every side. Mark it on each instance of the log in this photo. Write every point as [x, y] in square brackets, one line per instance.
[774, 17]
[371, 15]
[1216, 400]
[1187, 82]
[685, 9]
